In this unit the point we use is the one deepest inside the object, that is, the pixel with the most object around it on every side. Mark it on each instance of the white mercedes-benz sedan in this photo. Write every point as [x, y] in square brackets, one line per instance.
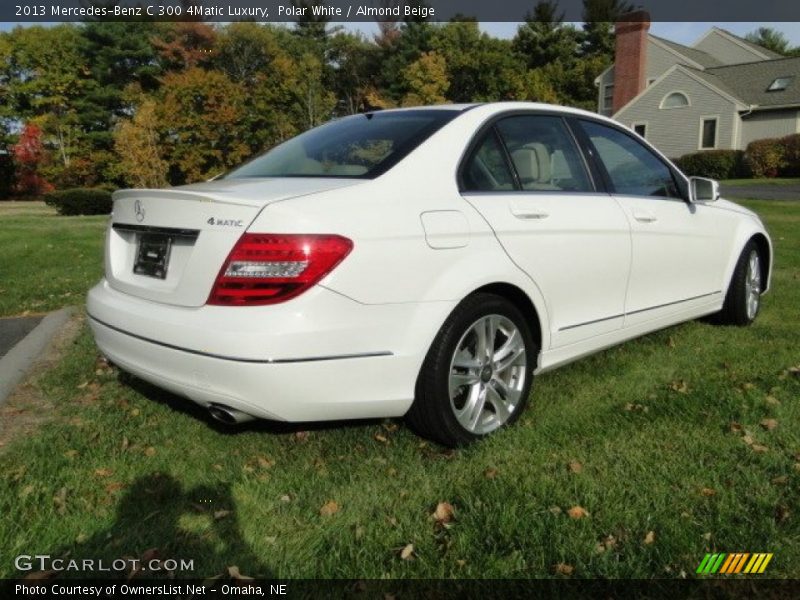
[425, 262]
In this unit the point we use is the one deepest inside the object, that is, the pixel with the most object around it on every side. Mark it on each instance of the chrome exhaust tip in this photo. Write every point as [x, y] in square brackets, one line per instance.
[228, 415]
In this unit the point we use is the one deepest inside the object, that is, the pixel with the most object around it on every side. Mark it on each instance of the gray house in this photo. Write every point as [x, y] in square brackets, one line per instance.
[722, 92]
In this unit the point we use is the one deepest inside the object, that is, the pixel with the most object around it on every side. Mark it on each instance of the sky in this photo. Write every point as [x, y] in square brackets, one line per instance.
[683, 33]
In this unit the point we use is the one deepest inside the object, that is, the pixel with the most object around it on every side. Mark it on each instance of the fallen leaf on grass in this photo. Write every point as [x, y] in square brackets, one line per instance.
[631, 407]
[782, 513]
[708, 492]
[135, 412]
[103, 472]
[380, 438]
[555, 510]
[150, 451]
[265, 463]
[577, 512]
[780, 480]
[748, 439]
[650, 538]
[759, 449]
[114, 486]
[563, 569]
[286, 498]
[124, 444]
[490, 473]
[71, 453]
[772, 400]
[575, 467]
[736, 427]
[221, 514]
[233, 573]
[60, 501]
[679, 386]
[609, 543]
[26, 491]
[443, 513]
[301, 436]
[797, 467]
[769, 424]
[407, 553]
[329, 508]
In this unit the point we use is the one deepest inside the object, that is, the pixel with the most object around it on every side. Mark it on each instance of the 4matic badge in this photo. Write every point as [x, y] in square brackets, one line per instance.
[225, 222]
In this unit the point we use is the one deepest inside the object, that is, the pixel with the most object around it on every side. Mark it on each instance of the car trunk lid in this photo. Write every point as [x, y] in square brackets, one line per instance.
[169, 245]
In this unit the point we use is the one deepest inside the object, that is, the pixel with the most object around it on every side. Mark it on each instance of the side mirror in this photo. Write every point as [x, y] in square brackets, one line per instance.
[703, 189]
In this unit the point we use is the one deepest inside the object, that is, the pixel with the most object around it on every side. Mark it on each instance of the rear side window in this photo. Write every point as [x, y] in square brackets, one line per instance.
[361, 146]
[544, 154]
[632, 168]
[487, 169]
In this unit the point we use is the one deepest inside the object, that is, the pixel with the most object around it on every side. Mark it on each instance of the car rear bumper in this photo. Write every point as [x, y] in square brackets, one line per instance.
[362, 361]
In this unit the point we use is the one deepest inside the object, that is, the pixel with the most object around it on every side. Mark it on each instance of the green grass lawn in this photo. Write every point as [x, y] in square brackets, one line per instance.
[762, 181]
[47, 261]
[683, 442]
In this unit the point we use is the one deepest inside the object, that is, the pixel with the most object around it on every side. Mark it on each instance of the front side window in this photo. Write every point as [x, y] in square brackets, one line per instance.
[632, 168]
[708, 134]
[544, 154]
[361, 146]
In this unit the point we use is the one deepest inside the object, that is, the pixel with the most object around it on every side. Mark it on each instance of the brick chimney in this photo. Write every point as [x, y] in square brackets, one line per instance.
[630, 56]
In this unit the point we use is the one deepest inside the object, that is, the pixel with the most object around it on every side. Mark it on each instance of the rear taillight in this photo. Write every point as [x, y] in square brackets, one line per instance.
[266, 268]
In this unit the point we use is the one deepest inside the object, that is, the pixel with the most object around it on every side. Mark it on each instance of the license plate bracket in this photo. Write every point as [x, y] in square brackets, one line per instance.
[152, 255]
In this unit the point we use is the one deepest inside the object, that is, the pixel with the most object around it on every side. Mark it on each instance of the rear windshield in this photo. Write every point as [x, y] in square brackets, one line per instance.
[362, 146]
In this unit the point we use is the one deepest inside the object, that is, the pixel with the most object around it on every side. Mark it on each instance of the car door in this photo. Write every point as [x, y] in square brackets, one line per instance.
[679, 248]
[528, 178]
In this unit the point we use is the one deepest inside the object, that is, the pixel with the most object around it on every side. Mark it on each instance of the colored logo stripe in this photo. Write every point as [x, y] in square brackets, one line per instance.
[737, 562]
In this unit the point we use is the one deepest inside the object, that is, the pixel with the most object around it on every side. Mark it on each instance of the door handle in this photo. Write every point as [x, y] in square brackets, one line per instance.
[531, 215]
[644, 217]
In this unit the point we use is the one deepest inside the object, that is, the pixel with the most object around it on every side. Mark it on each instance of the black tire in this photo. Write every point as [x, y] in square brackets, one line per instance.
[737, 310]
[433, 413]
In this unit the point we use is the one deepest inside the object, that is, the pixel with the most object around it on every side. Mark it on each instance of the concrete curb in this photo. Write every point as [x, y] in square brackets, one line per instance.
[21, 358]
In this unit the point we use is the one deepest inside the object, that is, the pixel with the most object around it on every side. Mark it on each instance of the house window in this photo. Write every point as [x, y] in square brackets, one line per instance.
[708, 133]
[608, 96]
[675, 100]
[640, 128]
[780, 83]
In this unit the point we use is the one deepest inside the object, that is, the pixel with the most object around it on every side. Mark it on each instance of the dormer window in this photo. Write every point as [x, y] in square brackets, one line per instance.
[675, 100]
[780, 83]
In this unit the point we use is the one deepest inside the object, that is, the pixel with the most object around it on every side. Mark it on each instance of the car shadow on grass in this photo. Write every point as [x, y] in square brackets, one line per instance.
[164, 530]
[190, 408]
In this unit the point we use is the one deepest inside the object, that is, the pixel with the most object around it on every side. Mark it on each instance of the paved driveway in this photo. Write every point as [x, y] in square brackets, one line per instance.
[761, 192]
[13, 329]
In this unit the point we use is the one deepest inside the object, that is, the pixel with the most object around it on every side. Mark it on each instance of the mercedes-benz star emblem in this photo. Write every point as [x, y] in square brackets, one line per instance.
[137, 207]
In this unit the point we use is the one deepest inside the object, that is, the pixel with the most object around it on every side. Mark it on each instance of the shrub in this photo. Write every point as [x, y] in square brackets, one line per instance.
[791, 145]
[80, 201]
[716, 164]
[765, 158]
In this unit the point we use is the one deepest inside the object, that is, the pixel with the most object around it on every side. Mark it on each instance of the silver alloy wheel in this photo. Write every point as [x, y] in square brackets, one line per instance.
[752, 285]
[487, 374]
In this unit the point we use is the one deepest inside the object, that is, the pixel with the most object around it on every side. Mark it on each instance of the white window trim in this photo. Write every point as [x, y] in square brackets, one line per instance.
[646, 127]
[606, 106]
[670, 93]
[703, 119]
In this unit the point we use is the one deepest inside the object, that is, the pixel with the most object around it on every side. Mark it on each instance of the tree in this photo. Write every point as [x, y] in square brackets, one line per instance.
[137, 146]
[599, 17]
[200, 122]
[355, 65]
[29, 155]
[426, 79]
[184, 45]
[543, 38]
[315, 101]
[771, 39]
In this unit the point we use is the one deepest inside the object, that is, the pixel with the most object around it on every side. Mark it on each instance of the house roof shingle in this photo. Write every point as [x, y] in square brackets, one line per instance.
[703, 59]
[749, 81]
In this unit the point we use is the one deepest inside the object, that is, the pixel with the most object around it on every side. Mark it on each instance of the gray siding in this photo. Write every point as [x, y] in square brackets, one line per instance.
[606, 78]
[659, 60]
[677, 131]
[769, 124]
[725, 50]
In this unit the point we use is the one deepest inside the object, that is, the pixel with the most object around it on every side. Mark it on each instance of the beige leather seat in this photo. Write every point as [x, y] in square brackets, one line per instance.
[532, 162]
